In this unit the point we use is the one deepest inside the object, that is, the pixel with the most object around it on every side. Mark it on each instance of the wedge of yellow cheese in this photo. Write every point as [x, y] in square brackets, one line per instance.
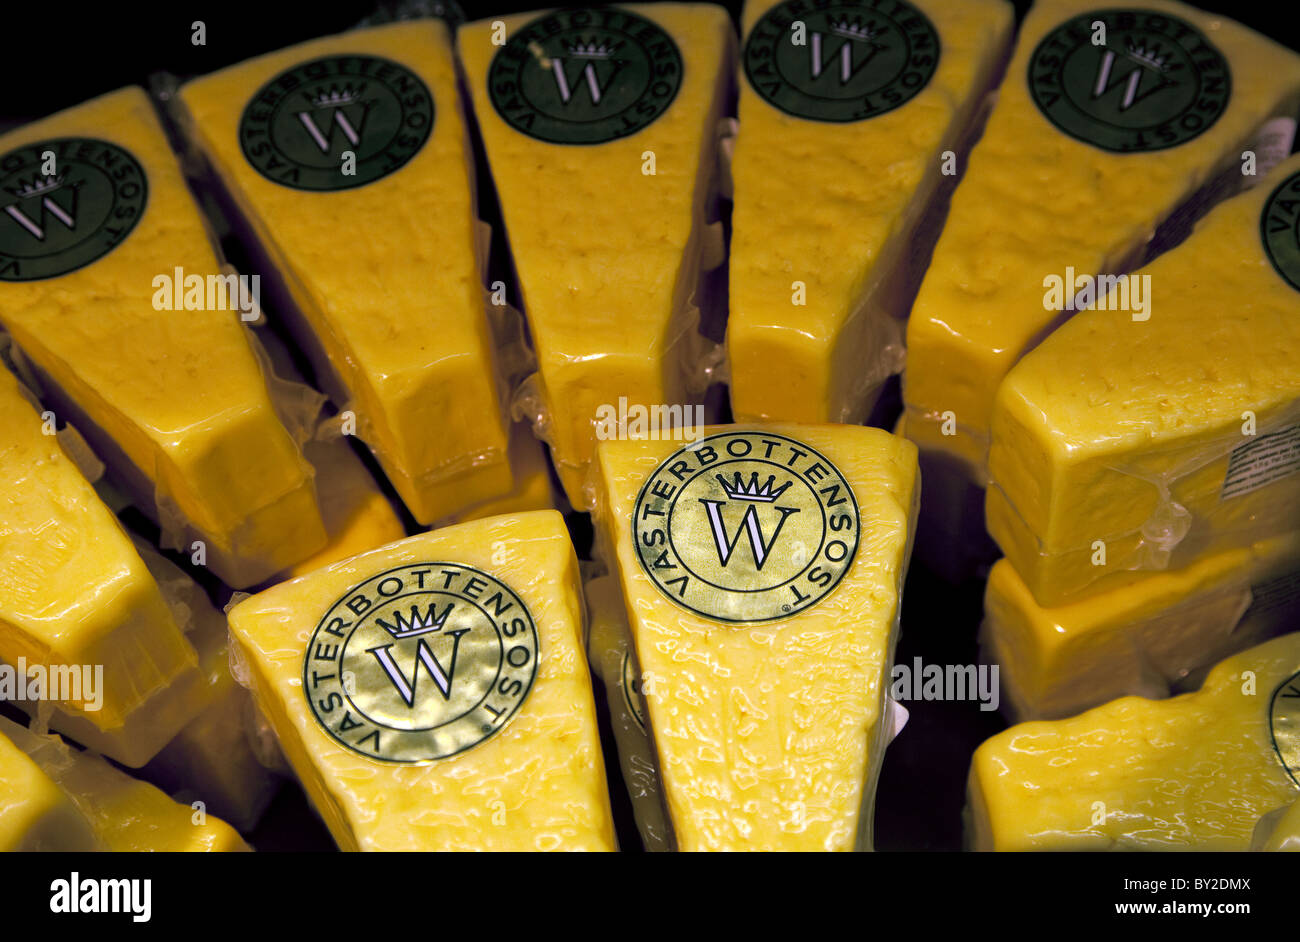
[762, 569]
[425, 733]
[599, 127]
[1097, 137]
[830, 190]
[1146, 638]
[35, 814]
[75, 598]
[1195, 772]
[1124, 445]
[609, 648]
[381, 263]
[125, 814]
[173, 400]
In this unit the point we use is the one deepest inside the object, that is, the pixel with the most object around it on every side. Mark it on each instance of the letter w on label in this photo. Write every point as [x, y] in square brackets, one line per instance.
[425, 657]
[749, 527]
[1131, 81]
[822, 62]
[565, 80]
[352, 127]
[46, 207]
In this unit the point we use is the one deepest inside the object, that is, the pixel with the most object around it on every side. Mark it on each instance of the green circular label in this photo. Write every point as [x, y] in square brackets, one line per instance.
[1129, 80]
[585, 76]
[1284, 723]
[65, 203]
[630, 681]
[846, 60]
[746, 527]
[421, 662]
[1279, 229]
[336, 123]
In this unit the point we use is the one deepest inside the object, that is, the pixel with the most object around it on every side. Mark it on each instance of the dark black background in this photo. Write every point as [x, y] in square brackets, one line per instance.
[76, 54]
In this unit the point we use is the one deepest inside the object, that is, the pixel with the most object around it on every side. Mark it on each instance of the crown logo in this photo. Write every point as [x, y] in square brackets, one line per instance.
[739, 490]
[37, 186]
[335, 96]
[1151, 57]
[431, 621]
[589, 50]
[853, 29]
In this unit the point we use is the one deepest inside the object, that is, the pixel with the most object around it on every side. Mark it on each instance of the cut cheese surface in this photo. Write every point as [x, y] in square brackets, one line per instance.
[1144, 638]
[433, 694]
[604, 160]
[762, 568]
[1167, 438]
[381, 262]
[837, 159]
[35, 814]
[1195, 772]
[125, 814]
[613, 659]
[173, 400]
[75, 596]
[1089, 148]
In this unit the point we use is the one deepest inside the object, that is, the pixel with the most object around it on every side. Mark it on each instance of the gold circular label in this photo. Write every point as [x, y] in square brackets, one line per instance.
[421, 662]
[746, 526]
[1284, 722]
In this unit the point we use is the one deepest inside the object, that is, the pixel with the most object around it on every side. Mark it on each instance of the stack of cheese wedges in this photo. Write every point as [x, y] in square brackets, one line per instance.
[1037, 201]
[384, 279]
[76, 801]
[607, 253]
[174, 402]
[1195, 772]
[836, 207]
[1142, 486]
[536, 783]
[769, 736]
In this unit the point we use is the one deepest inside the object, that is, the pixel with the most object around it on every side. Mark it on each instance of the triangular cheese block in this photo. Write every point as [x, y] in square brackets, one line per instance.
[599, 127]
[1146, 638]
[762, 570]
[124, 813]
[613, 659]
[35, 814]
[1192, 773]
[1108, 121]
[1126, 444]
[173, 400]
[845, 119]
[75, 598]
[433, 695]
[349, 159]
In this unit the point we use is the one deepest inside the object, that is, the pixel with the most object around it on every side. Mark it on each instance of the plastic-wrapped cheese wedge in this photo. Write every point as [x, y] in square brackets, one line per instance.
[533, 489]
[364, 130]
[1192, 772]
[609, 648]
[762, 569]
[35, 814]
[1145, 638]
[125, 814]
[433, 695]
[599, 125]
[1100, 132]
[76, 601]
[1121, 444]
[839, 156]
[99, 242]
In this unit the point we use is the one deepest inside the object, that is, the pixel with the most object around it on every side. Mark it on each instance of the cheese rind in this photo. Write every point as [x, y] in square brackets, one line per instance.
[1146, 638]
[607, 252]
[1125, 433]
[76, 595]
[537, 783]
[982, 303]
[393, 314]
[1194, 772]
[769, 735]
[828, 211]
[613, 660]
